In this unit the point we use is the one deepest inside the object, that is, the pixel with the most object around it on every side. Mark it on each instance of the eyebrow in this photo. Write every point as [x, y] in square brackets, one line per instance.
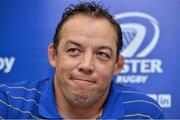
[73, 42]
[100, 47]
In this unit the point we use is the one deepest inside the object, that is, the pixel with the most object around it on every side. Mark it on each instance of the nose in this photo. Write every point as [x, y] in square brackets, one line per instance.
[86, 66]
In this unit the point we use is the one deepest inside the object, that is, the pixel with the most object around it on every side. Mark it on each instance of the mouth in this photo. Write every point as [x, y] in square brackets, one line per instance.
[82, 81]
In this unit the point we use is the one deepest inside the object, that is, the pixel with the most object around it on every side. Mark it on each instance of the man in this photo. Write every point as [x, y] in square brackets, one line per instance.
[85, 56]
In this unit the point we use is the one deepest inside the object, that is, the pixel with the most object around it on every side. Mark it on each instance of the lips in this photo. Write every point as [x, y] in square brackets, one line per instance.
[82, 81]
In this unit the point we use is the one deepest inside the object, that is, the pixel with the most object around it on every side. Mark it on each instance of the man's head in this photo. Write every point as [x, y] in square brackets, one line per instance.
[92, 10]
[84, 55]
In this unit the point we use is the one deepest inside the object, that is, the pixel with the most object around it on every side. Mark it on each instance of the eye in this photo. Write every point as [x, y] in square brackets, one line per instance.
[103, 55]
[73, 51]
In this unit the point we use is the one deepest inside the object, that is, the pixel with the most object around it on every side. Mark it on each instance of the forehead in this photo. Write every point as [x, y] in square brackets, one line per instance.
[91, 27]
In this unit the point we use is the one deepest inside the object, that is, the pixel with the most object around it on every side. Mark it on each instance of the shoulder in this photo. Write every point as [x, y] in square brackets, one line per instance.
[23, 86]
[17, 98]
[22, 90]
[137, 104]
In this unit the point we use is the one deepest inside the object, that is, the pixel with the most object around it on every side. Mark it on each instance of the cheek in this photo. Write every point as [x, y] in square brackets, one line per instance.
[65, 65]
[105, 72]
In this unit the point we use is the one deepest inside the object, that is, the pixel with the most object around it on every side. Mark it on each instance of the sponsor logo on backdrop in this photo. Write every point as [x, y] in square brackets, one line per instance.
[140, 39]
[164, 100]
[6, 64]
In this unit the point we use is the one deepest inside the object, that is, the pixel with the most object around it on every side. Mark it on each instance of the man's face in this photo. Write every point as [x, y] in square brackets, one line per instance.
[85, 61]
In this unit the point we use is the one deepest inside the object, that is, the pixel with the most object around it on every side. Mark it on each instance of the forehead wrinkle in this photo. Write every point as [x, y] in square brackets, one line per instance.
[71, 32]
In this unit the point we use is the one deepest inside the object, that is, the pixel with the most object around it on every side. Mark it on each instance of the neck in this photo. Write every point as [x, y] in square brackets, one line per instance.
[80, 113]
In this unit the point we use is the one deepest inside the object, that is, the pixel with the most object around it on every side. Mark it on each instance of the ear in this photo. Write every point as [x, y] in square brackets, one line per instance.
[52, 55]
[119, 65]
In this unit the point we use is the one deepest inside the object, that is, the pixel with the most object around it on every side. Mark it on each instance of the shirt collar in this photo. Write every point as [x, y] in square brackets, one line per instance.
[47, 106]
[113, 107]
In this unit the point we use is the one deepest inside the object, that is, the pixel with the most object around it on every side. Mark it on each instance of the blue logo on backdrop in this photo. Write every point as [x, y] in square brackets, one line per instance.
[139, 42]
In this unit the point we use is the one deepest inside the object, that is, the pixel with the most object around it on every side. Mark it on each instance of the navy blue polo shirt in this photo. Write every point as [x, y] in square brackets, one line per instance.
[37, 100]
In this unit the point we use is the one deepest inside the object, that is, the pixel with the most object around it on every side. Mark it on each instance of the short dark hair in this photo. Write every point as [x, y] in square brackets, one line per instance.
[91, 9]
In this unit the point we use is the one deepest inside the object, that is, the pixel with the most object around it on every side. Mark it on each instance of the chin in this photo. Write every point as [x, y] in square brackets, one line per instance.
[80, 100]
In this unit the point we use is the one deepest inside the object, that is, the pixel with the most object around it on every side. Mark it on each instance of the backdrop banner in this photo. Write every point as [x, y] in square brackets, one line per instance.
[151, 33]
